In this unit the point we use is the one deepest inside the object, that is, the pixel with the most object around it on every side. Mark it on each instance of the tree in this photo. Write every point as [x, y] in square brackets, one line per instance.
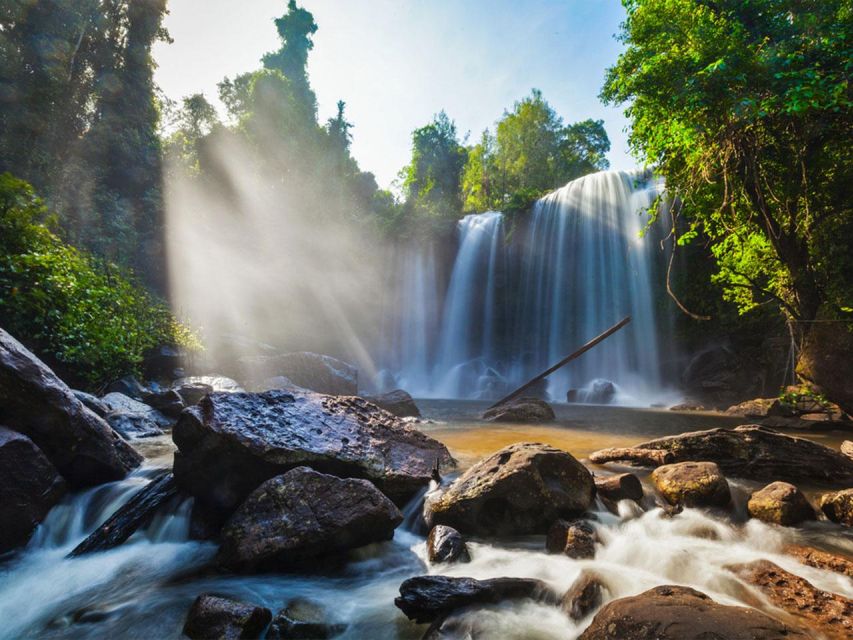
[745, 108]
[295, 29]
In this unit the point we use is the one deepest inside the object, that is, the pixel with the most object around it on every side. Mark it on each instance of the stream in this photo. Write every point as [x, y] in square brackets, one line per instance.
[144, 588]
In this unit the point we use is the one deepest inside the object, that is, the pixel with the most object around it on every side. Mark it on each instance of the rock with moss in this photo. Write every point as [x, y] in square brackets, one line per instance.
[838, 506]
[692, 484]
[780, 503]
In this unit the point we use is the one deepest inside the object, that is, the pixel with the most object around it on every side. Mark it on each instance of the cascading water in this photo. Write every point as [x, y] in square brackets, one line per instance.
[517, 302]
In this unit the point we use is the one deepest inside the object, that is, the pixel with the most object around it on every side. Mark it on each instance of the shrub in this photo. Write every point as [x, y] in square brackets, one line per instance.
[84, 315]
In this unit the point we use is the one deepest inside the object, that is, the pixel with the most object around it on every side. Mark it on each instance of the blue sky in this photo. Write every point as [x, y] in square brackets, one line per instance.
[396, 63]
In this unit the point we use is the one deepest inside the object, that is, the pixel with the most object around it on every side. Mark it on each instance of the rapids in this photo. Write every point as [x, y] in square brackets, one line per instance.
[144, 588]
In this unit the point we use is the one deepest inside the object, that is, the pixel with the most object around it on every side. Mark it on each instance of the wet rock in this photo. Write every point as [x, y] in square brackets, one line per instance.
[689, 405]
[847, 448]
[303, 620]
[838, 506]
[320, 373]
[575, 539]
[584, 596]
[193, 388]
[623, 486]
[92, 403]
[134, 419]
[820, 559]
[828, 614]
[599, 391]
[681, 613]
[215, 618]
[231, 442]
[29, 487]
[128, 386]
[780, 503]
[167, 401]
[527, 410]
[398, 402]
[429, 598]
[33, 401]
[761, 408]
[278, 382]
[692, 484]
[301, 515]
[748, 451]
[445, 544]
[520, 489]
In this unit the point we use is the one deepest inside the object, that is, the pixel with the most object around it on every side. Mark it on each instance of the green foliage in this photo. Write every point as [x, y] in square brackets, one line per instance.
[745, 108]
[532, 152]
[79, 312]
[295, 29]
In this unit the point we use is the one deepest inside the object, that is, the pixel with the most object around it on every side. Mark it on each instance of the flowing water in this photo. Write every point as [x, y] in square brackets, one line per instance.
[144, 588]
[523, 293]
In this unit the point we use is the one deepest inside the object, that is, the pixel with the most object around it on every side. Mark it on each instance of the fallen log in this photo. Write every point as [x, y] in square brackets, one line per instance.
[589, 345]
[135, 513]
[637, 456]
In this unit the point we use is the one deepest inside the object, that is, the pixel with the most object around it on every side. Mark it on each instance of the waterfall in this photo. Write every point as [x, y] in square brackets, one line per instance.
[524, 292]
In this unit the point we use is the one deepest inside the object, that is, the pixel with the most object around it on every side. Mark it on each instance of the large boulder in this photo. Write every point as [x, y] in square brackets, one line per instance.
[719, 376]
[134, 419]
[780, 503]
[231, 442]
[826, 362]
[214, 618]
[527, 410]
[398, 402]
[429, 598]
[692, 484]
[681, 613]
[521, 489]
[33, 401]
[748, 451]
[29, 486]
[302, 515]
[320, 373]
[838, 506]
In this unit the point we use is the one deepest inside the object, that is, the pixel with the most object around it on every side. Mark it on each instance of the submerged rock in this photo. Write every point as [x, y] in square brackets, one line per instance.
[215, 618]
[575, 538]
[301, 515]
[429, 598]
[681, 613]
[527, 410]
[303, 620]
[584, 596]
[520, 489]
[320, 373]
[33, 401]
[828, 614]
[29, 487]
[692, 484]
[780, 503]
[748, 451]
[397, 402]
[231, 442]
[445, 544]
[838, 506]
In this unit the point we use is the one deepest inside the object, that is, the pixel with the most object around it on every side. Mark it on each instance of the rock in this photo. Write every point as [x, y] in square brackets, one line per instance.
[680, 613]
[212, 617]
[29, 487]
[527, 410]
[692, 484]
[302, 515]
[761, 408]
[820, 559]
[780, 503]
[231, 442]
[583, 597]
[445, 544]
[825, 362]
[134, 419]
[521, 489]
[748, 451]
[128, 386]
[575, 539]
[323, 374]
[278, 382]
[92, 403]
[636, 455]
[131, 516]
[720, 377]
[690, 405]
[303, 620]
[623, 486]
[838, 506]
[599, 391]
[163, 360]
[167, 401]
[398, 402]
[828, 614]
[33, 401]
[847, 448]
[193, 388]
[429, 598]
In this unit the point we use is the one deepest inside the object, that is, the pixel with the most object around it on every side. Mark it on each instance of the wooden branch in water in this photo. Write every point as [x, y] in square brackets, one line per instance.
[640, 457]
[134, 514]
[589, 345]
